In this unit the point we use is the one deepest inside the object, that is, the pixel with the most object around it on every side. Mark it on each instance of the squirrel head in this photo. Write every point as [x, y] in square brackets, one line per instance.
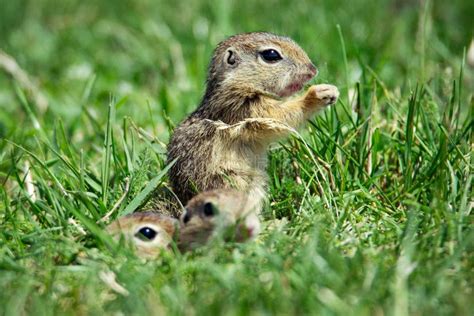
[261, 63]
[147, 232]
[227, 213]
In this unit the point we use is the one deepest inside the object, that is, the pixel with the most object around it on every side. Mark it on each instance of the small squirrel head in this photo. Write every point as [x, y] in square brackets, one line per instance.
[147, 232]
[227, 213]
[260, 63]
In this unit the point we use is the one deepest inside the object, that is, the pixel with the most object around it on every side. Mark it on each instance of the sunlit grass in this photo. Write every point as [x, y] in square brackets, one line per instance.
[369, 208]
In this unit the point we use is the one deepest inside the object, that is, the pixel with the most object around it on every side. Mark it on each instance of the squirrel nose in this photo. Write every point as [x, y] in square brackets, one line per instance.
[245, 232]
[310, 72]
[250, 231]
[312, 69]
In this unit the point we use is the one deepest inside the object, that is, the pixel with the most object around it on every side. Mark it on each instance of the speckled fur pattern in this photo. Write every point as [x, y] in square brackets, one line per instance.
[236, 212]
[223, 143]
[127, 227]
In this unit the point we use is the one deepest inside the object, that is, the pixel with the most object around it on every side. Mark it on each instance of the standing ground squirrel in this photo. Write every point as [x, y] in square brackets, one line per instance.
[225, 212]
[223, 143]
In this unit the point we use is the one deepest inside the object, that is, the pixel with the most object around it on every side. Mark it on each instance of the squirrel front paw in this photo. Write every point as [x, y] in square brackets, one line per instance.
[321, 95]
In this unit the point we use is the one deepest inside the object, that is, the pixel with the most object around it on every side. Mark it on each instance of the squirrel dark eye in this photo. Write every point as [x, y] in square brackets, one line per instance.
[146, 234]
[270, 55]
[209, 209]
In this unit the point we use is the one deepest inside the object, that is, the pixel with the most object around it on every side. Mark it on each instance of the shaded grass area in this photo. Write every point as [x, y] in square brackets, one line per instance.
[369, 207]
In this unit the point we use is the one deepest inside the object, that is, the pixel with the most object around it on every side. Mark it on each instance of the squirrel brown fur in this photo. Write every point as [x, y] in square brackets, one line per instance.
[227, 213]
[148, 232]
[206, 215]
[224, 142]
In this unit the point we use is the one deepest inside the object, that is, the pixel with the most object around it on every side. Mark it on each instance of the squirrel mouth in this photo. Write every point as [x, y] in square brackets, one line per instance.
[298, 82]
[241, 232]
[291, 89]
[244, 233]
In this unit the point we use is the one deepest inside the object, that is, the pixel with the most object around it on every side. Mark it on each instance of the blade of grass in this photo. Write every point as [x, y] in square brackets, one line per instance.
[141, 197]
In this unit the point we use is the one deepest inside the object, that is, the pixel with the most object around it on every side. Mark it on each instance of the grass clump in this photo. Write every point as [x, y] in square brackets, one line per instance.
[369, 206]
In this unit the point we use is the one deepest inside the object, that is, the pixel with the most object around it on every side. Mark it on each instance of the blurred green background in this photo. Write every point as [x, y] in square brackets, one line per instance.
[370, 214]
[156, 52]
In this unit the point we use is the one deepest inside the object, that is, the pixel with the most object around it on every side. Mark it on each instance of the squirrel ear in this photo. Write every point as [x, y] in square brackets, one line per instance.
[230, 57]
[186, 217]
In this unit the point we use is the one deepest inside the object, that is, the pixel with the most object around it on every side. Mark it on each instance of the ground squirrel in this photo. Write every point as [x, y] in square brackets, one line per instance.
[208, 214]
[147, 232]
[223, 143]
[227, 213]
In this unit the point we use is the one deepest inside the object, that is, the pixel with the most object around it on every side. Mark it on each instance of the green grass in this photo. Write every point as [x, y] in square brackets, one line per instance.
[370, 208]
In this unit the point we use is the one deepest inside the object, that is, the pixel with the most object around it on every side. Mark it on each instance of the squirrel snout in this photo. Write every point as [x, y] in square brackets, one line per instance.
[312, 71]
[309, 72]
